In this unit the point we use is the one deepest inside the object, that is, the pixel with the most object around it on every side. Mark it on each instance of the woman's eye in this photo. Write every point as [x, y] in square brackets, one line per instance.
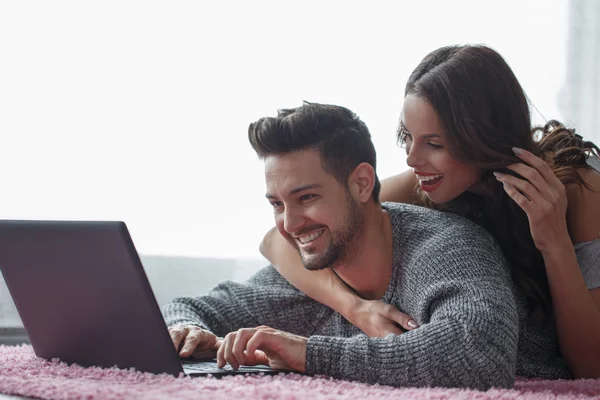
[435, 145]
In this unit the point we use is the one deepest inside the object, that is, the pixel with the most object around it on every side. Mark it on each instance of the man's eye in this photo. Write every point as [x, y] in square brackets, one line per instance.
[276, 204]
[306, 197]
[435, 145]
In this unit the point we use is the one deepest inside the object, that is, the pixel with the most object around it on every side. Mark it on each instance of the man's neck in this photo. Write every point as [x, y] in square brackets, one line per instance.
[368, 269]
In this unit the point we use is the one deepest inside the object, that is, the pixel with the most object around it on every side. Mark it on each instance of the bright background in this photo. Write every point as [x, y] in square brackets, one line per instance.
[138, 111]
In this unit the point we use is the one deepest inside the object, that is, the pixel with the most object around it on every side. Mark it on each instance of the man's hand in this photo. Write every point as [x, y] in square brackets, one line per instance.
[195, 342]
[263, 345]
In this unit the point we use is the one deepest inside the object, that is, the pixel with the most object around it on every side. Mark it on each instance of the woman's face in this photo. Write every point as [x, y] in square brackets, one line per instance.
[441, 177]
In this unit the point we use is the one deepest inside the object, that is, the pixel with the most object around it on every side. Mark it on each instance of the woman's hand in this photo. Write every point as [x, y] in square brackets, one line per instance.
[542, 196]
[378, 319]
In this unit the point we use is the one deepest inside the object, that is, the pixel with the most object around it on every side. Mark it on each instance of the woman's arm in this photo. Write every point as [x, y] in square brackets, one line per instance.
[544, 198]
[375, 318]
[577, 309]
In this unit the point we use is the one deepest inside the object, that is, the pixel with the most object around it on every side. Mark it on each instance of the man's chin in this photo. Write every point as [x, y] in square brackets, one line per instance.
[315, 267]
[312, 264]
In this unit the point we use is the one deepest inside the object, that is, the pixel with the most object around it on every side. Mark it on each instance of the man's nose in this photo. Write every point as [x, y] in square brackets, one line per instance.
[292, 220]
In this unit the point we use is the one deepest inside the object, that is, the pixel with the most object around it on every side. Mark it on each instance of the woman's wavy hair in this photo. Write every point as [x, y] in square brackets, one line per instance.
[485, 113]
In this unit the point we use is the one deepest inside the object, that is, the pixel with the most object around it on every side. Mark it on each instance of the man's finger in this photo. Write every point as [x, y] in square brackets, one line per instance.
[177, 334]
[227, 347]
[221, 353]
[265, 328]
[239, 345]
[226, 342]
[259, 357]
[261, 339]
[229, 357]
[192, 340]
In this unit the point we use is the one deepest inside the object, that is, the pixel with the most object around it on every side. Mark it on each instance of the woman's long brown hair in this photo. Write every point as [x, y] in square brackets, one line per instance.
[485, 113]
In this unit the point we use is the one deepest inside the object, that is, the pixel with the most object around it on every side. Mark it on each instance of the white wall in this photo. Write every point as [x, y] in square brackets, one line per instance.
[580, 98]
[138, 110]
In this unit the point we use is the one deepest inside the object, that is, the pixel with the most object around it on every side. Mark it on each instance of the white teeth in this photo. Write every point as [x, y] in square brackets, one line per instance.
[311, 237]
[428, 178]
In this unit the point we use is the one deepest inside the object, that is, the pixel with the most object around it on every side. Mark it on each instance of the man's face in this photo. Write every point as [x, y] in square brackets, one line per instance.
[313, 211]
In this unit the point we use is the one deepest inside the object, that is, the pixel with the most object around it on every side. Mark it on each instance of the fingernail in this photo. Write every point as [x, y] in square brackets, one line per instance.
[412, 324]
[517, 151]
[506, 185]
[498, 175]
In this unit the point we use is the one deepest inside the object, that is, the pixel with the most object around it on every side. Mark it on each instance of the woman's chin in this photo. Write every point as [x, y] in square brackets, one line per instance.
[439, 198]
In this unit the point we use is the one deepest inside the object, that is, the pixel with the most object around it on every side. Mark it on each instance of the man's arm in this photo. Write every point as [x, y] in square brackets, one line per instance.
[265, 299]
[469, 326]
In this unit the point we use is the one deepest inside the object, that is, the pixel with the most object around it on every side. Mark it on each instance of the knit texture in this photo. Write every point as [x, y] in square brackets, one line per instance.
[447, 273]
[588, 257]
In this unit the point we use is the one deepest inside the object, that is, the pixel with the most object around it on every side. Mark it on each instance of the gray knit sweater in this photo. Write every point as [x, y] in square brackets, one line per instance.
[447, 273]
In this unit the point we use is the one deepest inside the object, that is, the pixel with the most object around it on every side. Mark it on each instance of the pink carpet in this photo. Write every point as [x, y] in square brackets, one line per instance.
[21, 373]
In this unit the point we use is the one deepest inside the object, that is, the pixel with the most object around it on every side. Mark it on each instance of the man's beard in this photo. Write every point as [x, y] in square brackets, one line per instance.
[342, 240]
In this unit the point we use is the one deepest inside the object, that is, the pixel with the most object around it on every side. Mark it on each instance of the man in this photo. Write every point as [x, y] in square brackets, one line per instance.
[443, 270]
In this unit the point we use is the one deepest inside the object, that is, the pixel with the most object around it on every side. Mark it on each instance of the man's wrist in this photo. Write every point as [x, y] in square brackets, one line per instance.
[302, 366]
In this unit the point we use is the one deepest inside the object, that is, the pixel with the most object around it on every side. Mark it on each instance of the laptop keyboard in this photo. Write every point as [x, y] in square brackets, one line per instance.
[210, 367]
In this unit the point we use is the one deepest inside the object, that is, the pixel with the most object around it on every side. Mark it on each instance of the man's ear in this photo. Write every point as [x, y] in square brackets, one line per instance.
[362, 181]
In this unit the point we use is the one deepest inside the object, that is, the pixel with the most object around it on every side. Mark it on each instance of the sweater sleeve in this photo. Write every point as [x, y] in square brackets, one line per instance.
[265, 299]
[468, 332]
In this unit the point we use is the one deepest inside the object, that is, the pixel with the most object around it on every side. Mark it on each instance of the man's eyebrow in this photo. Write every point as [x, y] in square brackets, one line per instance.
[297, 190]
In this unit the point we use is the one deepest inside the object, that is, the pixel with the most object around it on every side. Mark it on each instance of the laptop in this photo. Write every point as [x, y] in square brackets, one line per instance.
[83, 296]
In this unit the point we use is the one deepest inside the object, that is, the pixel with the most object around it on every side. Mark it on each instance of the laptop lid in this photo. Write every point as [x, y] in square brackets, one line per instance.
[83, 296]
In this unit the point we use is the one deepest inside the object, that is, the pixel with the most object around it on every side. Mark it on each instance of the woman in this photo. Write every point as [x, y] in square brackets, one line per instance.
[467, 131]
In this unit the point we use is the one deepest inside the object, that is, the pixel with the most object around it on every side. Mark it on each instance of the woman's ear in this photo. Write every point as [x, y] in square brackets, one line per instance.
[362, 181]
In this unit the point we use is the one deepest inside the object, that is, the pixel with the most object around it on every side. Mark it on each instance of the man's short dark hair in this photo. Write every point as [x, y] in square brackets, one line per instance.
[339, 135]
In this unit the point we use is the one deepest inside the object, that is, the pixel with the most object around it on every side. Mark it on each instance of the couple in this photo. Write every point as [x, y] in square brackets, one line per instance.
[482, 306]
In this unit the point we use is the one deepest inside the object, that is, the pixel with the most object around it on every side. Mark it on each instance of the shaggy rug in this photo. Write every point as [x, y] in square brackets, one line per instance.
[23, 374]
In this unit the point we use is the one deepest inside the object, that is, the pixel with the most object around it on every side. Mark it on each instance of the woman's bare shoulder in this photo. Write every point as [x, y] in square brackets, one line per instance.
[399, 188]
